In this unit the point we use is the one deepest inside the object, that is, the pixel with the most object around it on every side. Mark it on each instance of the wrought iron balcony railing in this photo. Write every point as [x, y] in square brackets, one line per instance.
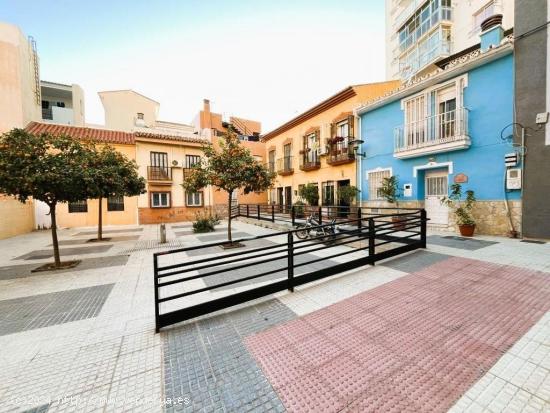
[340, 151]
[310, 160]
[285, 165]
[159, 173]
[437, 133]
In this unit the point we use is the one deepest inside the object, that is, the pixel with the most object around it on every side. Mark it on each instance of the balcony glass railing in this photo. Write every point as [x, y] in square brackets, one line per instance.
[422, 55]
[434, 130]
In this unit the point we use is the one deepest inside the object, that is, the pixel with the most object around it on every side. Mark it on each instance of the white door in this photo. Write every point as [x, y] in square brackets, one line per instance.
[435, 189]
[42, 218]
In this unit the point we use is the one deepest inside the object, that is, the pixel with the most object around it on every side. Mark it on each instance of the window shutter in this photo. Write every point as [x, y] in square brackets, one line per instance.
[351, 130]
[332, 130]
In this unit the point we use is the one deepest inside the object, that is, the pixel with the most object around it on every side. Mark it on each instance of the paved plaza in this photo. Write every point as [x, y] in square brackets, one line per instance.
[461, 326]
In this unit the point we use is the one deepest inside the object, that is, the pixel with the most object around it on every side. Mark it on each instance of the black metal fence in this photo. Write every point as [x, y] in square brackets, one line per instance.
[193, 281]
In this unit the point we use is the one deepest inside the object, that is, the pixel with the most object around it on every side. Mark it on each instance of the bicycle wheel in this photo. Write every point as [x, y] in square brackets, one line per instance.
[302, 231]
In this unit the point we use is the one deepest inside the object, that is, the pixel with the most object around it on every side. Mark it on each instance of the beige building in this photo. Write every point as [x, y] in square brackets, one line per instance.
[62, 104]
[421, 32]
[316, 147]
[19, 105]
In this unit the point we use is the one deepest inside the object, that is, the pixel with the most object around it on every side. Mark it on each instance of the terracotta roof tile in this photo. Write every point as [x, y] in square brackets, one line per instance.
[77, 132]
[105, 135]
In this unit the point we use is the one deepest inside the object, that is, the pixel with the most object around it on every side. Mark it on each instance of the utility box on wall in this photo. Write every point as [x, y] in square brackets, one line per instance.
[513, 178]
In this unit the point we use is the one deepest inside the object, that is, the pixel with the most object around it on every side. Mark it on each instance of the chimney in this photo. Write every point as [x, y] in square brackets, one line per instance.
[492, 32]
[207, 118]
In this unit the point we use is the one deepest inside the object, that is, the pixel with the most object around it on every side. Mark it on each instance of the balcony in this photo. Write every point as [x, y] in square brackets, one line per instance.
[443, 132]
[340, 152]
[159, 174]
[422, 55]
[310, 161]
[285, 166]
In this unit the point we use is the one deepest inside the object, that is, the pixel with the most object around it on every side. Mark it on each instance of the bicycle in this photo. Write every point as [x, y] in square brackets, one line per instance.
[326, 232]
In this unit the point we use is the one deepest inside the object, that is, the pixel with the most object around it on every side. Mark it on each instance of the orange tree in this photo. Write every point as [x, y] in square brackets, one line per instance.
[48, 168]
[230, 169]
[112, 174]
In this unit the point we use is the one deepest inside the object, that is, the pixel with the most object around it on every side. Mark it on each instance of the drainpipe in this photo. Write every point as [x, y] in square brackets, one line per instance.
[358, 165]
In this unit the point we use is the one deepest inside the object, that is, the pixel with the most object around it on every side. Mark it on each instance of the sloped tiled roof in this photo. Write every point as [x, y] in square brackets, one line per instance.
[83, 133]
[105, 135]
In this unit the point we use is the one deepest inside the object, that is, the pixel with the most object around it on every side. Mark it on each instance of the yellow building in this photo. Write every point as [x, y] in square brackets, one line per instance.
[316, 146]
[162, 160]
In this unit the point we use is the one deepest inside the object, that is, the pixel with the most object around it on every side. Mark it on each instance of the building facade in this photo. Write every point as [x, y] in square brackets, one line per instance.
[421, 32]
[447, 128]
[62, 104]
[532, 94]
[316, 146]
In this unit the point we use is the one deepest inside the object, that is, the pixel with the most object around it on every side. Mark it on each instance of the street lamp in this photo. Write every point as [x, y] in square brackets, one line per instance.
[355, 144]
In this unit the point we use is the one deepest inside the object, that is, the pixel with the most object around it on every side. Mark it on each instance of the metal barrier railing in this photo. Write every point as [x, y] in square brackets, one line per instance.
[206, 279]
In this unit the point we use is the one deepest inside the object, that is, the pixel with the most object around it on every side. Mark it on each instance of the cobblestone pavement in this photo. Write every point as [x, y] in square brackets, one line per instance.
[393, 326]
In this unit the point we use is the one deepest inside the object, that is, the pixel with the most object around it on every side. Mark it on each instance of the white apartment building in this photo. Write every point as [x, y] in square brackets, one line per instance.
[421, 32]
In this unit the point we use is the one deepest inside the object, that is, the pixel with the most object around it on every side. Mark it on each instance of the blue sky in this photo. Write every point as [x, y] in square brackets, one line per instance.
[265, 59]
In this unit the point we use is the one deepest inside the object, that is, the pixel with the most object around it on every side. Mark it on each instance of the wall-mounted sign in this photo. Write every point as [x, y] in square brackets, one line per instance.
[461, 178]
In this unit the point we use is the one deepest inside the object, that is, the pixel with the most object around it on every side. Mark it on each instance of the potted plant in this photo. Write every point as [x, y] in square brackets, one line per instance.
[310, 193]
[462, 209]
[299, 208]
[346, 195]
[390, 192]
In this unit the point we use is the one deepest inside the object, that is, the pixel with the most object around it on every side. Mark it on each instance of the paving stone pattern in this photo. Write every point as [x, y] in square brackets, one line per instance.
[108, 239]
[39, 409]
[25, 270]
[257, 243]
[415, 261]
[43, 310]
[414, 344]
[470, 244]
[272, 265]
[110, 231]
[208, 362]
[221, 236]
[43, 254]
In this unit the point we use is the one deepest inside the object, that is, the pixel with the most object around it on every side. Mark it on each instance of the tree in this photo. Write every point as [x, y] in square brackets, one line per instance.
[48, 168]
[309, 192]
[112, 174]
[230, 168]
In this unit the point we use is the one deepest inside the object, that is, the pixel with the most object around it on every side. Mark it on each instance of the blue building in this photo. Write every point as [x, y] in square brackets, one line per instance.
[449, 126]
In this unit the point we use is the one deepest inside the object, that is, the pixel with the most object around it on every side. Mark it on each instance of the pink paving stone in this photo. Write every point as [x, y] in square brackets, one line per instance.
[414, 344]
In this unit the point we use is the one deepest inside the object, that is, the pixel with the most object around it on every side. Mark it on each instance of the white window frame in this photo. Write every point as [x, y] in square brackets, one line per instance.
[159, 198]
[193, 203]
[374, 189]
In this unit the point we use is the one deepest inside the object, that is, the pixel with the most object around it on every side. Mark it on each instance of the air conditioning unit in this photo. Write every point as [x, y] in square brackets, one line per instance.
[323, 150]
[175, 163]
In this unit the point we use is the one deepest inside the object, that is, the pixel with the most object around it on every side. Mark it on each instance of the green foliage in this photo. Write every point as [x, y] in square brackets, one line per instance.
[229, 168]
[348, 193]
[48, 168]
[462, 209]
[390, 189]
[113, 174]
[310, 192]
[299, 208]
[205, 222]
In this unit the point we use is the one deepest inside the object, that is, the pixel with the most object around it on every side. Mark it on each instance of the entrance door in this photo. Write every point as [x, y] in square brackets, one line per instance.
[436, 188]
[343, 203]
[280, 199]
[288, 196]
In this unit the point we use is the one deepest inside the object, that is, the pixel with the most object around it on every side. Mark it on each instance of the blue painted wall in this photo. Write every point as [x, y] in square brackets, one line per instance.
[489, 97]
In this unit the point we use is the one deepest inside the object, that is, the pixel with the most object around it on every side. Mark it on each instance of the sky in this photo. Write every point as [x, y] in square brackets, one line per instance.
[266, 60]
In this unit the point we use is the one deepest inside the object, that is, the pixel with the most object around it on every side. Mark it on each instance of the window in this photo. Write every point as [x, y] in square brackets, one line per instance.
[287, 151]
[328, 192]
[271, 165]
[342, 129]
[76, 207]
[375, 179]
[486, 11]
[115, 203]
[311, 148]
[193, 199]
[159, 159]
[192, 160]
[140, 116]
[45, 104]
[60, 104]
[160, 199]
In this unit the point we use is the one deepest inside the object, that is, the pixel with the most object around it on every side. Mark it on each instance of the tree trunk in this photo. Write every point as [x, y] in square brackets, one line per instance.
[100, 221]
[229, 218]
[54, 236]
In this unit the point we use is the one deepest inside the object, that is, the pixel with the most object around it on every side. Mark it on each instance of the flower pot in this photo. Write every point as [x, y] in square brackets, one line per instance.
[467, 230]
[398, 223]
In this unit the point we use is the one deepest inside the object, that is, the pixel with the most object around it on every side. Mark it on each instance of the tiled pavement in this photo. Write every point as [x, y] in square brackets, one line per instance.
[113, 361]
